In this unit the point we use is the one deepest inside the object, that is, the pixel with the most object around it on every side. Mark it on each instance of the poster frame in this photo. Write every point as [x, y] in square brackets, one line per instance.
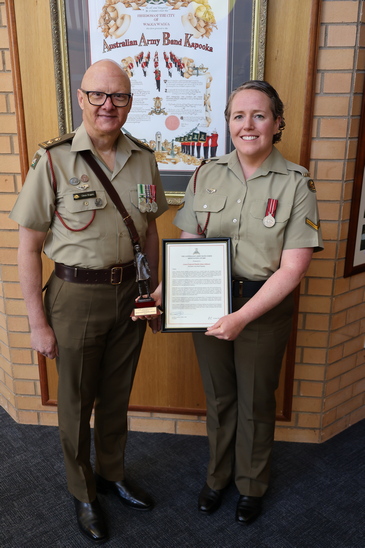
[64, 35]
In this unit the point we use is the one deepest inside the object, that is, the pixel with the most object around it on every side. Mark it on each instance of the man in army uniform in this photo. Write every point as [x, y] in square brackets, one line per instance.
[85, 320]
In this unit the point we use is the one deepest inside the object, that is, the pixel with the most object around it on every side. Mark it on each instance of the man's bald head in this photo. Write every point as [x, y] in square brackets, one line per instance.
[105, 120]
[105, 67]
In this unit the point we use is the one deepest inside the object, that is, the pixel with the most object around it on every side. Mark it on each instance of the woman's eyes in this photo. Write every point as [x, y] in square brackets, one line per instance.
[258, 116]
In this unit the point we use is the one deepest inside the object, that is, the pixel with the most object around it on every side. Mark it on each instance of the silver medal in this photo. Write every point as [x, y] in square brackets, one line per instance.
[142, 205]
[269, 221]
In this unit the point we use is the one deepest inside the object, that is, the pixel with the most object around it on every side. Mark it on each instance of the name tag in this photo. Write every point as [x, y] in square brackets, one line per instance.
[83, 195]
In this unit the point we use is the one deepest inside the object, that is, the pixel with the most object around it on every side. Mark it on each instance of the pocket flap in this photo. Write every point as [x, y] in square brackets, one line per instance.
[85, 201]
[209, 202]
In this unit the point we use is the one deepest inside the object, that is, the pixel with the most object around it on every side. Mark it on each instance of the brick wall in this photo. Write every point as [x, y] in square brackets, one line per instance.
[329, 386]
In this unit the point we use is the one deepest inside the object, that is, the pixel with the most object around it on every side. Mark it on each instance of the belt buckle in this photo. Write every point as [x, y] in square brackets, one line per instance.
[240, 288]
[113, 272]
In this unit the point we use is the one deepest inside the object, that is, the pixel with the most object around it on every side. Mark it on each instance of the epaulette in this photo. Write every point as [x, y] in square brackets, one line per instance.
[304, 173]
[206, 161]
[299, 169]
[138, 142]
[57, 141]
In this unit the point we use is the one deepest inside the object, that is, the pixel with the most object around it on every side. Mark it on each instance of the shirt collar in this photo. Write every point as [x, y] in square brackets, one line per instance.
[275, 163]
[82, 141]
[125, 147]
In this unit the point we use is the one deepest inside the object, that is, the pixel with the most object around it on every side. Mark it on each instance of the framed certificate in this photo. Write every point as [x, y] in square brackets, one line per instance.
[196, 278]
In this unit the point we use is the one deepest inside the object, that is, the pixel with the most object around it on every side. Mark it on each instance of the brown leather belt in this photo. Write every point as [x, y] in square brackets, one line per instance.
[245, 288]
[113, 275]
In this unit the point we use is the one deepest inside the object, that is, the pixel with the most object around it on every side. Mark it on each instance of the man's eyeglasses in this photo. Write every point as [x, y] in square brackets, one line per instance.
[98, 98]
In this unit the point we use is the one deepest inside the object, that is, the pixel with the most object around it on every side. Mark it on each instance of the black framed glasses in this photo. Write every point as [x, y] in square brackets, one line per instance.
[98, 98]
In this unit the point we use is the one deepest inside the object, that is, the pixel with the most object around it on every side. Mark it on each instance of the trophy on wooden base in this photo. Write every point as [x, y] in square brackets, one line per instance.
[145, 306]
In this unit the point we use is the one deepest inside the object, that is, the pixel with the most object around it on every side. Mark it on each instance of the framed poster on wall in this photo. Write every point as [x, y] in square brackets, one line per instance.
[183, 58]
[355, 251]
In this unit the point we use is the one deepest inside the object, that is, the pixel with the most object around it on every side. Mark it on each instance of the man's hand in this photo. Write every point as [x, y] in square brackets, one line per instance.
[155, 320]
[43, 340]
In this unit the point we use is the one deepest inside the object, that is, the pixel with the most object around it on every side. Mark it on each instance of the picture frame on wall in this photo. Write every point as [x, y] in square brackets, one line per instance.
[355, 250]
[180, 96]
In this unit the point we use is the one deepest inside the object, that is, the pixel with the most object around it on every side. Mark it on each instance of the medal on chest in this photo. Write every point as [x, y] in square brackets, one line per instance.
[269, 219]
[147, 198]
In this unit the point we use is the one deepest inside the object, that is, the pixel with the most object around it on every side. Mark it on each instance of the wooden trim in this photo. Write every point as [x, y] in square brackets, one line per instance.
[305, 150]
[310, 83]
[23, 151]
[169, 410]
[18, 90]
[43, 379]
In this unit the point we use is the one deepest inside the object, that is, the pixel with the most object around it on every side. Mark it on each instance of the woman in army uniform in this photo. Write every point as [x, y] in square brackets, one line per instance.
[267, 206]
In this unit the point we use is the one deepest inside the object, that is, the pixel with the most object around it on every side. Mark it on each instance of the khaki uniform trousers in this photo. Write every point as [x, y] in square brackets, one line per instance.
[99, 347]
[240, 378]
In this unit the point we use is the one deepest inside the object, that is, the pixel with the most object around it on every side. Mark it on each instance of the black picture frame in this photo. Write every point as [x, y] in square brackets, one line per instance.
[192, 252]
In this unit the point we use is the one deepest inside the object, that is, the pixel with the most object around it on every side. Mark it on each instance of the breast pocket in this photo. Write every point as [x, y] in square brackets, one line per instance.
[268, 237]
[209, 208]
[77, 209]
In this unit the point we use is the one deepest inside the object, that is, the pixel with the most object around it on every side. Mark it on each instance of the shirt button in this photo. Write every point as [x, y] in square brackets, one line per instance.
[86, 203]
[234, 221]
[205, 206]
[239, 201]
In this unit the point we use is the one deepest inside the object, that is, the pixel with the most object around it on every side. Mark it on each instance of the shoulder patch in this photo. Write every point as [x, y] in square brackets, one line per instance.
[35, 160]
[138, 142]
[57, 141]
[311, 185]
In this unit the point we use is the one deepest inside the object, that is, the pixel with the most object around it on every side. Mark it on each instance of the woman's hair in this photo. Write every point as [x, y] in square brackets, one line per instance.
[277, 107]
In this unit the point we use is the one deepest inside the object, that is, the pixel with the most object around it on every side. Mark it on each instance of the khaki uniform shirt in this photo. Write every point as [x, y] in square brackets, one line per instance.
[69, 240]
[237, 208]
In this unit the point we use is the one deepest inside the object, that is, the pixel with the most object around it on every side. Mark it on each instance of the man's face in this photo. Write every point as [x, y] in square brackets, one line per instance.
[106, 119]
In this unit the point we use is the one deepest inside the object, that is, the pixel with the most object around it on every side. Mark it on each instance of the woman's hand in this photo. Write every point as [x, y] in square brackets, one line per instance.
[227, 328]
